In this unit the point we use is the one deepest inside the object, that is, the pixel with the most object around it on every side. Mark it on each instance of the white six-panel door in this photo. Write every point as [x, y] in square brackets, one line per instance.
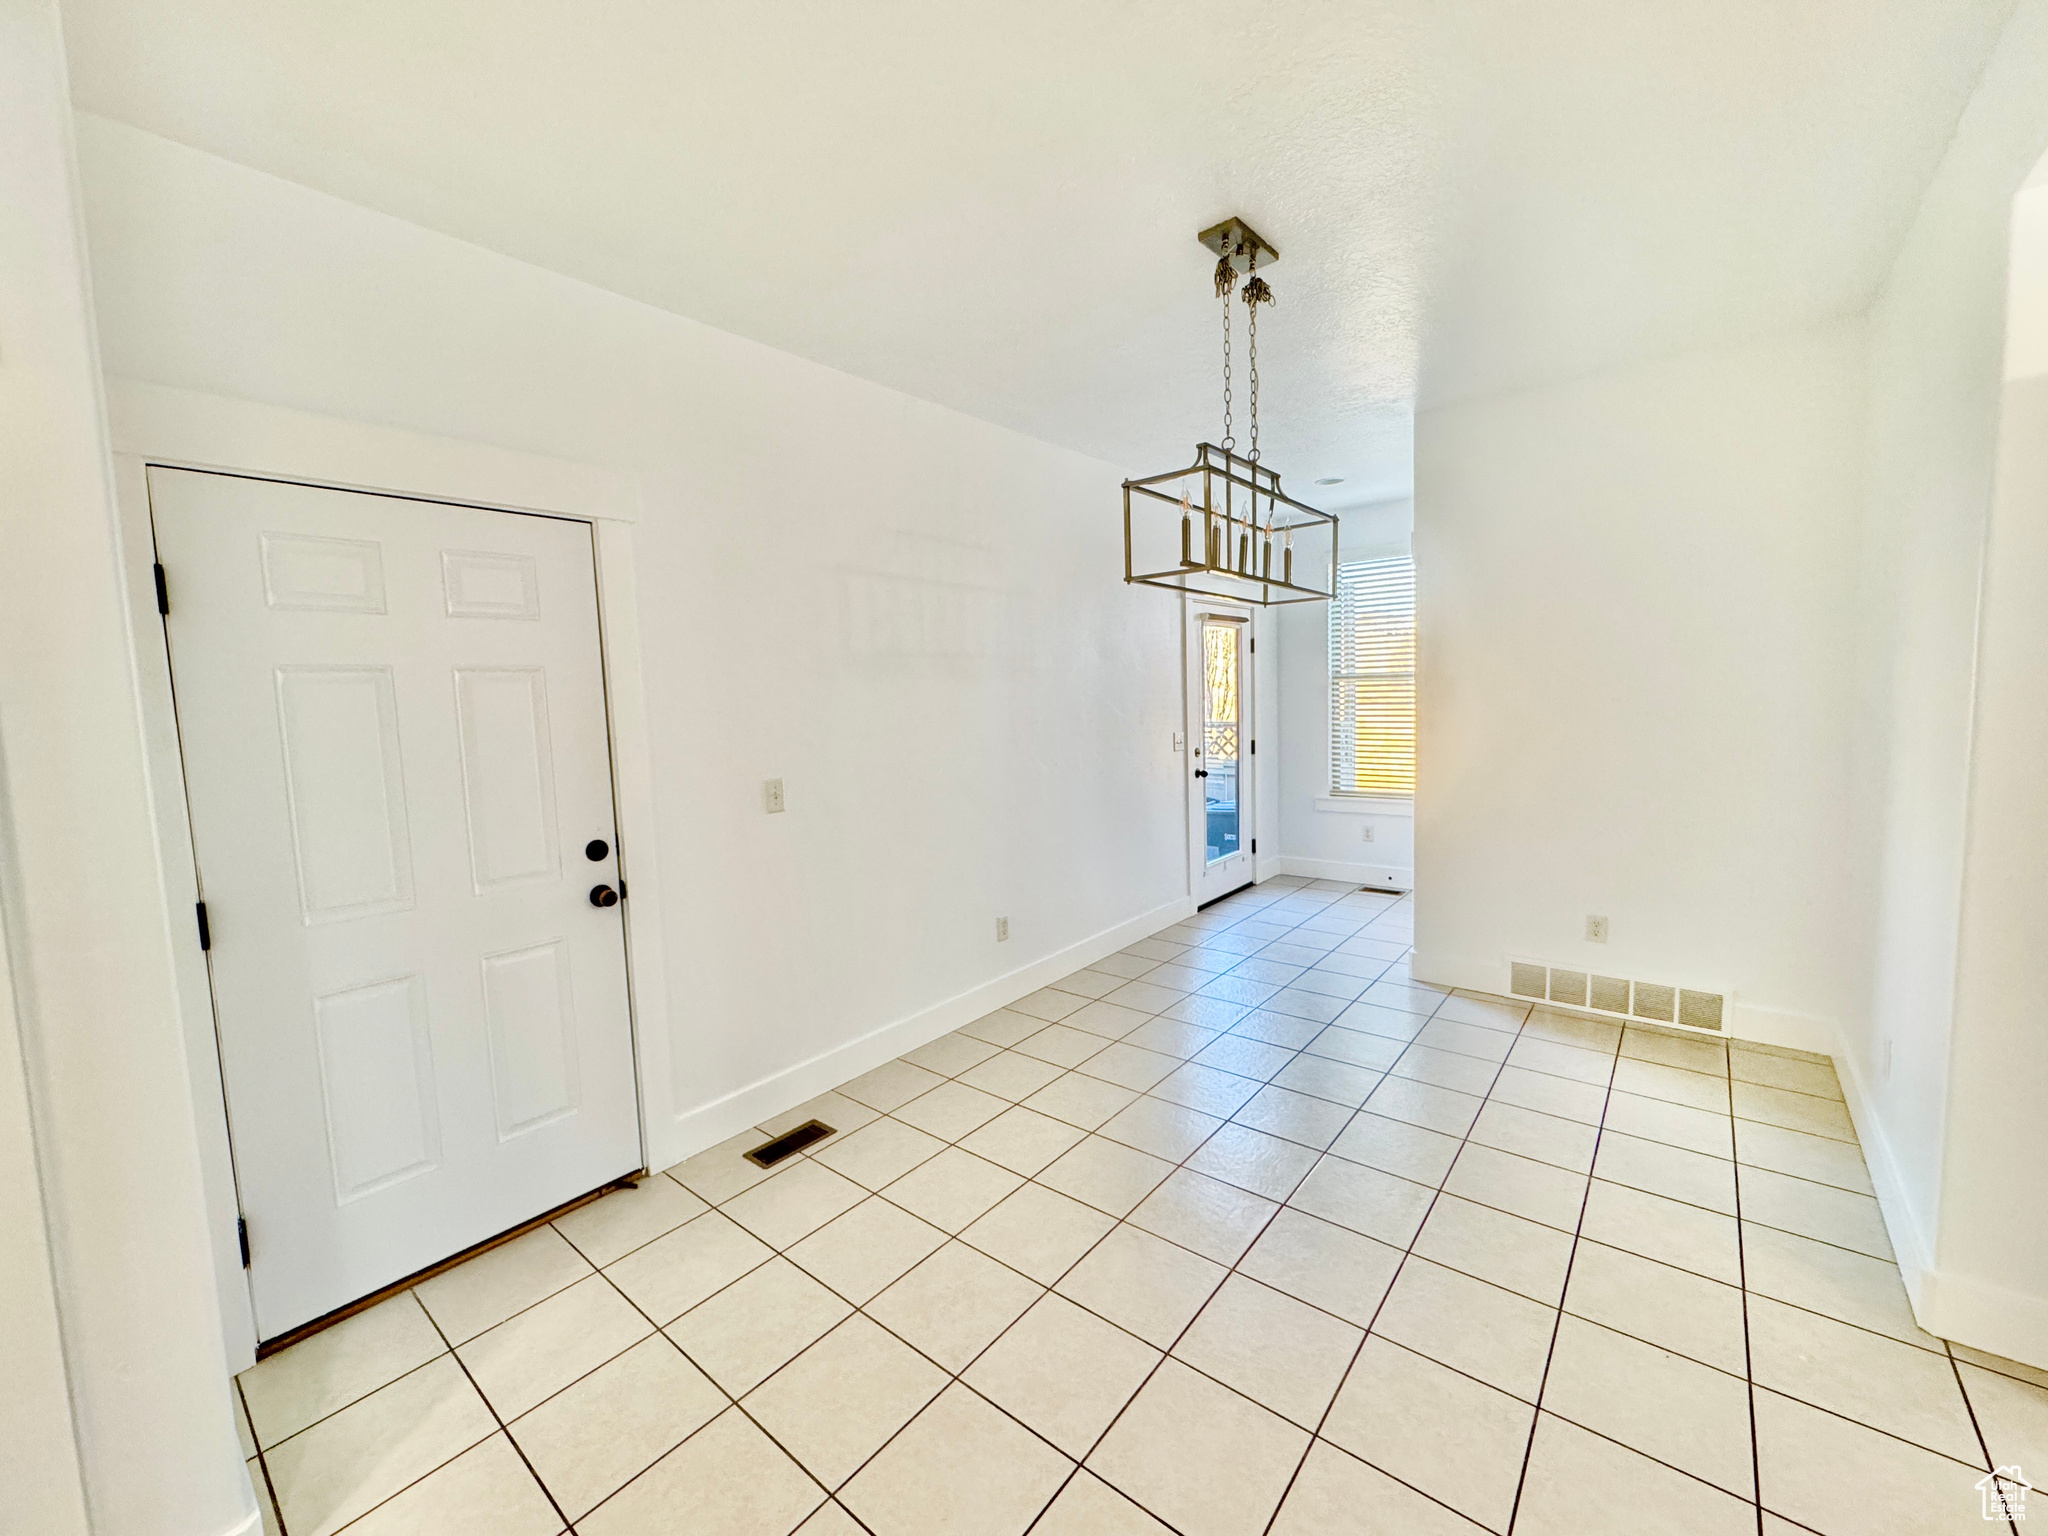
[393, 724]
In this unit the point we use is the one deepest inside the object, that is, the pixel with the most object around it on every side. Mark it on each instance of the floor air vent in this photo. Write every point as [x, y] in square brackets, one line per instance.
[789, 1143]
[1649, 1001]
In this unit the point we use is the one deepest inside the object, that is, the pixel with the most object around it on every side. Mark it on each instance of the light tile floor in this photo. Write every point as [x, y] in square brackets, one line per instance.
[1239, 1231]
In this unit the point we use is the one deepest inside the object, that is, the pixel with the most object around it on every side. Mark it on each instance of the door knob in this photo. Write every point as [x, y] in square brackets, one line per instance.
[603, 896]
[1201, 773]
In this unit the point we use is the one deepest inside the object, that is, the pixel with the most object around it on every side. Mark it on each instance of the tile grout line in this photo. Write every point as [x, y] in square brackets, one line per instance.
[1081, 1462]
[496, 1418]
[1316, 1436]
[2025, 1381]
[1557, 1322]
[1971, 1409]
[261, 1459]
[1756, 1480]
[1742, 1288]
[732, 1402]
[335, 1413]
[1737, 1164]
[447, 1351]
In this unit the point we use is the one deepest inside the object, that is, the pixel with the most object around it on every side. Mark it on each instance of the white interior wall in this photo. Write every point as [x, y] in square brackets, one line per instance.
[102, 1231]
[1634, 655]
[38, 1454]
[1321, 835]
[1990, 1288]
[913, 618]
[1991, 1252]
[1938, 331]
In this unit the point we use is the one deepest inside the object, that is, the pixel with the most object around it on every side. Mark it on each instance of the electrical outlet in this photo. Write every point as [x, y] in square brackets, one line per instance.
[1596, 930]
[1365, 833]
[1002, 929]
[774, 796]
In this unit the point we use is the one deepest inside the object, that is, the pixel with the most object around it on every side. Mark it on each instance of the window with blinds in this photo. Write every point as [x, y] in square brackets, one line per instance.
[1372, 678]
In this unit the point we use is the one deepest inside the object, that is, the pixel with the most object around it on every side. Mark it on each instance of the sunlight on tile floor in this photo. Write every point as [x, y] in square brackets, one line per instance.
[1239, 1231]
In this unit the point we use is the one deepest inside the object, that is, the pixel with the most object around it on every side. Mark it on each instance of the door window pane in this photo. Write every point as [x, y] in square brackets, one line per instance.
[1220, 675]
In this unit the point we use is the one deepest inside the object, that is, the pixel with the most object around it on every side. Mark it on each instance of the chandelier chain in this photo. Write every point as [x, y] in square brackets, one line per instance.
[1226, 282]
[1252, 289]
[1240, 536]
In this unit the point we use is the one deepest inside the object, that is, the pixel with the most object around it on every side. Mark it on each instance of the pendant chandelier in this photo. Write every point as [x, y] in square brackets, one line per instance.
[1222, 527]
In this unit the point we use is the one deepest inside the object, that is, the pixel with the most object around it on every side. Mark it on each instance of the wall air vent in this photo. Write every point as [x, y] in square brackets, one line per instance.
[1649, 1002]
[1659, 1004]
[1699, 1010]
[1568, 987]
[1609, 995]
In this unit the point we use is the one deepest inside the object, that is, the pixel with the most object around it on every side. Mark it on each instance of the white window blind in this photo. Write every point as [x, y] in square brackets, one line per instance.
[1372, 678]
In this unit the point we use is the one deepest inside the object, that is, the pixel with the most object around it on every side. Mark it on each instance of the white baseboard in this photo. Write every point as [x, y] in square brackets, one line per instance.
[1986, 1317]
[1760, 1026]
[1783, 1027]
[709, 1124]
[1946, 1304]
[1339, 869]
[1910, 1242]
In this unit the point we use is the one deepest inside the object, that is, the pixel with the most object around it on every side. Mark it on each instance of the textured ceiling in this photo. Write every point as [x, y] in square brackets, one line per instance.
[994, 207]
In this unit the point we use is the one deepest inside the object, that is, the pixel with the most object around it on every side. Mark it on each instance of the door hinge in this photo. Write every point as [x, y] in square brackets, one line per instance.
[205, 928]
[1252, 645]
[1255, 845]
[242, 1237]
[163, 591]
[1255, 748]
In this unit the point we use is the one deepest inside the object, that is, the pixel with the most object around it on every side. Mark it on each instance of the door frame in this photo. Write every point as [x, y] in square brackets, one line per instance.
[153, 424]
[1194, 714]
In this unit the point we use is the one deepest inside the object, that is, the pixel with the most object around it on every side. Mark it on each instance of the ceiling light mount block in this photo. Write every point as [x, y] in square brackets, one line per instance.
[1241, 241]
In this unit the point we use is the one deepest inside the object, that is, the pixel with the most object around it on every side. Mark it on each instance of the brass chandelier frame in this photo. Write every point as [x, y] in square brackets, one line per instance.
[1232, 509]
[1234, 556]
